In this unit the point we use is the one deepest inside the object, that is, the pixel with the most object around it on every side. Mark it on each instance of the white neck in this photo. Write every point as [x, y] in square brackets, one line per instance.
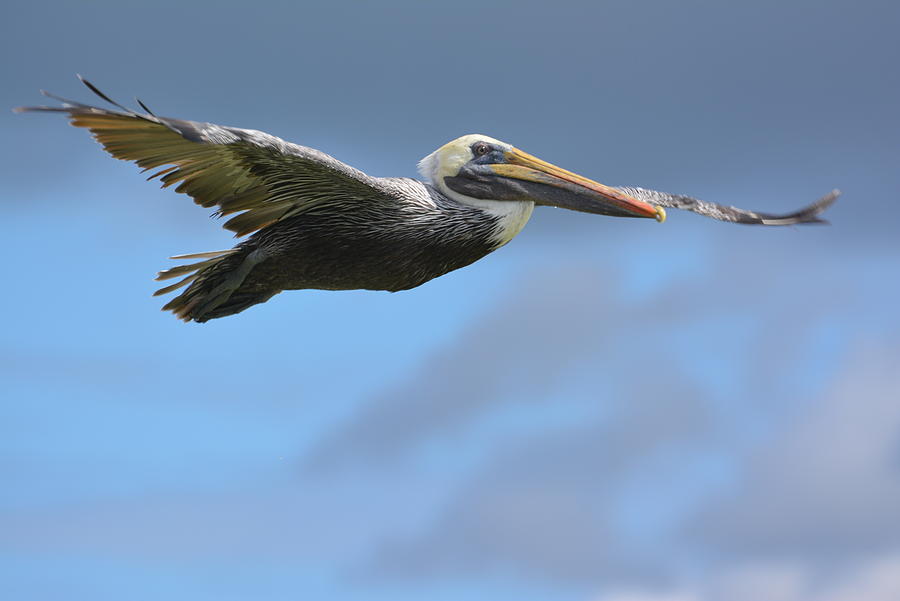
[512, 214]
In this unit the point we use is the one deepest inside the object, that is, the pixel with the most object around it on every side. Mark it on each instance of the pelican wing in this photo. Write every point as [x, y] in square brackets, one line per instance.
[259, 176]
[808, 214]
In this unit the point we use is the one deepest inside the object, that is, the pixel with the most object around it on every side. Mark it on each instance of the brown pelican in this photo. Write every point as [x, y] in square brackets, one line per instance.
[318, 223]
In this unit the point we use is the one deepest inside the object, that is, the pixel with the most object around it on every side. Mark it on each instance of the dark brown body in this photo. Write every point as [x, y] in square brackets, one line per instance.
[315, 222]
[373, 245]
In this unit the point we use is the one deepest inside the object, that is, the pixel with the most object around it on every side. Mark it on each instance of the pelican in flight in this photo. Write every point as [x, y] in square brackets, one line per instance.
[314, 222]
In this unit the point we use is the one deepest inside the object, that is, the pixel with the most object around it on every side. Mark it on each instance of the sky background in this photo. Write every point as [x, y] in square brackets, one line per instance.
[603, 410]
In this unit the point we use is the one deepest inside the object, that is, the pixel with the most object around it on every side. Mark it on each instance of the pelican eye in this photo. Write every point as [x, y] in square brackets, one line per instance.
[480, 149]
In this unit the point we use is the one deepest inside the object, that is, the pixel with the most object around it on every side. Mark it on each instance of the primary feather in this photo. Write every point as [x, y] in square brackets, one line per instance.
[315, 222]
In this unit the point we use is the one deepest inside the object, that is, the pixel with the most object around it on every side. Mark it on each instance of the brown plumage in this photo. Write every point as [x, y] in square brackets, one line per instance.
[315, 222]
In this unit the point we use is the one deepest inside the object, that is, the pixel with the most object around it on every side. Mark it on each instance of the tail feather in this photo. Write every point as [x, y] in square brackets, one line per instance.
[206, 255]
[236, 303]
[216, 285]
[193, 270]
[176, 285]
[174, 272]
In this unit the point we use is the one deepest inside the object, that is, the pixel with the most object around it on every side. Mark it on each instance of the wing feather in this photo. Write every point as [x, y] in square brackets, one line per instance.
[808, 214]
[258, 175]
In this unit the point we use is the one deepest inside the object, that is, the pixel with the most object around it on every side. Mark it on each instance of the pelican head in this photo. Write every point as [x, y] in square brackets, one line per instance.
[479, 168]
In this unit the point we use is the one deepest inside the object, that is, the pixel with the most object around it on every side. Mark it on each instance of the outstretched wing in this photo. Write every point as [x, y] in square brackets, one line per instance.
[262, 177]
[808, 214]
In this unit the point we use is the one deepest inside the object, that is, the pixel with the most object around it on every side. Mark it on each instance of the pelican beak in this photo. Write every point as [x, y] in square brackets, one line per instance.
[568, 190]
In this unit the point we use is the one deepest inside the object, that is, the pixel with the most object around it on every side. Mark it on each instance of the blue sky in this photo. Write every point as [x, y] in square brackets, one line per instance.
[603, 410]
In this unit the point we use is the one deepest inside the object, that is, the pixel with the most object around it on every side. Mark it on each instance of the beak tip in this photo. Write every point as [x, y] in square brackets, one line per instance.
[660, 214]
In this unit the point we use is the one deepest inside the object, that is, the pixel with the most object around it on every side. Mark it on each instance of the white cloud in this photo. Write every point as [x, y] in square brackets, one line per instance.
[875, 579]
[547, 327]
[817, 482]
[829, 486]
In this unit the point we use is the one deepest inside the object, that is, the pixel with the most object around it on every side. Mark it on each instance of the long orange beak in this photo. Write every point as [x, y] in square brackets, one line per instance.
[593, 197]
